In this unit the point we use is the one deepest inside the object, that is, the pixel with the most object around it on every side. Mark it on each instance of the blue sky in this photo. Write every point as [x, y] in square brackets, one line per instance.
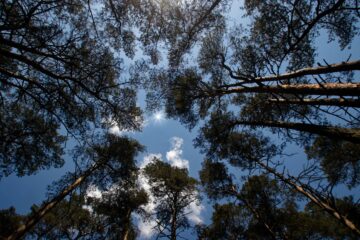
[158, 136]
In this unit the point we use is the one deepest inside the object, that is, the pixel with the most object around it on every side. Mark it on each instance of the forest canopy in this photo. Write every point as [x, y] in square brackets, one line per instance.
[253, 87]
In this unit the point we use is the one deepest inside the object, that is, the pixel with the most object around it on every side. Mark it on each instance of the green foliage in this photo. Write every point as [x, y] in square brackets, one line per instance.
[215, 179]
[68, 220]
[28, 142]
[257, 108]
[61, 76]
[9, 221]
[263, 201]
[340, 160]
[319, 222]
[113, 171]
[221, 141]
[165, 178]
[173, 191]
[182, 94]
[115, 208]
[228, 222]
[57, 79]
[117, 155]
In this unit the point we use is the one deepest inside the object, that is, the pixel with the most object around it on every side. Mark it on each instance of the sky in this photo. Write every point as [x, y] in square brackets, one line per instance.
[164, 138]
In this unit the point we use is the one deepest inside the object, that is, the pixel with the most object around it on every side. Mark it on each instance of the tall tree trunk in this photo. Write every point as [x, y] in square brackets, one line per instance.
[319, 201]
[351, 135]
[337, 67]
[46, 207]
[174, 218]
[332, 68]
[339, 102]
[337, 89]
[127, 225]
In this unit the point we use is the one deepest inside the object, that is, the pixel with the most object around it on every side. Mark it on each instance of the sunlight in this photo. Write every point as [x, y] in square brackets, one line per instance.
[159, 116]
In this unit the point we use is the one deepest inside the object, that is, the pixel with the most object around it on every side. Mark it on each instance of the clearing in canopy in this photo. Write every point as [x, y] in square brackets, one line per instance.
[268, 91]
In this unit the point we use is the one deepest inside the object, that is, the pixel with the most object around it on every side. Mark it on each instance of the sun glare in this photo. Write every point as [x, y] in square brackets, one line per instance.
[159, 116]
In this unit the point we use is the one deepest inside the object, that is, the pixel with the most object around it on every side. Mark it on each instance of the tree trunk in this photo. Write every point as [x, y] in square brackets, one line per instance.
[337, 67]
[351, 135]
[313, 198]
[127, 225]
[337, 89]
[46, 207]
[174, 218]
[339, 102]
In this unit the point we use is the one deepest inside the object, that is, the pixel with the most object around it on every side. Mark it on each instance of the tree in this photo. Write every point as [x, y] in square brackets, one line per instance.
[218, 184]
[247, 151]
[228, 222]
[173, 191]
[246, 69]
[110, 158]
[338, 159]
[116, 206]
[265, 209]
[57, 80]
[266, 76]
[9, 221]
[67, 220]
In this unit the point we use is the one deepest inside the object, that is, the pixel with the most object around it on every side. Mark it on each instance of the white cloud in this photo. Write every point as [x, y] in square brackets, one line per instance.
[146, 228]
[93, 192]
[195, 209]
[114, 128]
[149, 158]
[174, 155]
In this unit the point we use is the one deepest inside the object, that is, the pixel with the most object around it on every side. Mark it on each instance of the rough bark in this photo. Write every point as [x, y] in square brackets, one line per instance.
[319, 201]
[338, 102]
[337, 67]
[46, 207]
[174, 218]
[351, 135]
[331, 68]
[127, 225]
[337, 89]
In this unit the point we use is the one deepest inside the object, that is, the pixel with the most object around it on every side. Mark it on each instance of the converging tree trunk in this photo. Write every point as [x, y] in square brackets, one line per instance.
[327, 89]
[313, 197]
[332, 68]
[338, 102]
[174, 218]
[351, 135]
[46, 207]
[127, 225]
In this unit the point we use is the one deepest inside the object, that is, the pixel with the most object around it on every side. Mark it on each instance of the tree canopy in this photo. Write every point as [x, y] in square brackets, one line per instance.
[70, 72]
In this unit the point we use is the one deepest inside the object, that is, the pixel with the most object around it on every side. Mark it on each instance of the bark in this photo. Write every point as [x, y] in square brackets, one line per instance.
[46, 207]
[33, 50]
[332, 68]
[174, 217]
[338, 89]
[319, 201]
[337, 67]
[351, 135]
[338, 102]
[127, 225]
